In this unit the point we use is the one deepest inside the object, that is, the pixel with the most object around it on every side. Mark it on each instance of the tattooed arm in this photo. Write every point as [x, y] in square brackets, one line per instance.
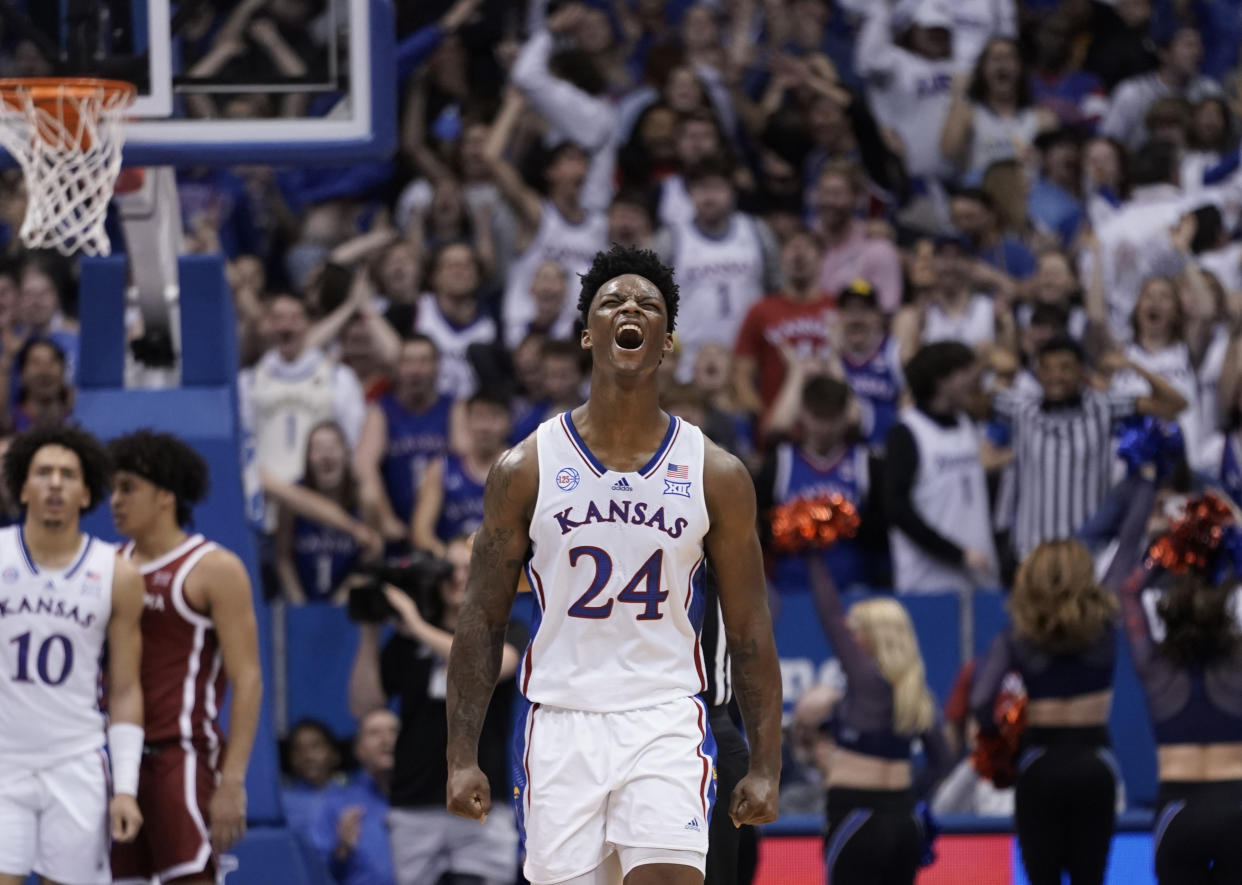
[479, 641]
[733, 550]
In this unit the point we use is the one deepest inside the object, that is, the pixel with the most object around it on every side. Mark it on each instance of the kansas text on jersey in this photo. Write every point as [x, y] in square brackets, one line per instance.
[617, 571]
[53, 623]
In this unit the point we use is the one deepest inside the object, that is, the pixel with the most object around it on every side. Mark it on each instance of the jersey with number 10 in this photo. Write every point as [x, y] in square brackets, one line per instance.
[617, 571]
[53, 623]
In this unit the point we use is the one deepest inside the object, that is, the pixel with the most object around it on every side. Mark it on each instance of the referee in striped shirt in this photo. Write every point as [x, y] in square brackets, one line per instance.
[1063, 445]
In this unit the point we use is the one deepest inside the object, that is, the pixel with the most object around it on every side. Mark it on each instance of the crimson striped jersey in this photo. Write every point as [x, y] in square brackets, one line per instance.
[182, 676]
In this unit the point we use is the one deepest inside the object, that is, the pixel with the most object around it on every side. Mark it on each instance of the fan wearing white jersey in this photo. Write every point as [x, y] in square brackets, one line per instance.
[556, 229]
[62, 595]
[725, 261]
[910, 90]
[611, 509]
[935, 491]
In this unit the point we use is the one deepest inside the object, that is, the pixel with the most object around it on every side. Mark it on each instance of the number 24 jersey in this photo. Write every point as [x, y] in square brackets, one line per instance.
[617, 571]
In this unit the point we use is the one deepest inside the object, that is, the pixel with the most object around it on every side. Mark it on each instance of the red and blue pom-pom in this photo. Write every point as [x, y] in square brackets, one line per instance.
[1205, 539]
[812, 523]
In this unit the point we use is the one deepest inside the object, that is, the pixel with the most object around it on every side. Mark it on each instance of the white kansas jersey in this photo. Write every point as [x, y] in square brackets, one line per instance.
[287, 401]
[570, 246]
[720, 278]
[617, 571]
[950, 494]
[53, 624]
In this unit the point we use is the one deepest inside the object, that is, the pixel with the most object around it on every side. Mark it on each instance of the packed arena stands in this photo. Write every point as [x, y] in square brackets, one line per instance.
[946, 263]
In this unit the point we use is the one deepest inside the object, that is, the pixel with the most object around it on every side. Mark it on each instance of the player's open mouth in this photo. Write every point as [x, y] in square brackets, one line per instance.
[629, 336]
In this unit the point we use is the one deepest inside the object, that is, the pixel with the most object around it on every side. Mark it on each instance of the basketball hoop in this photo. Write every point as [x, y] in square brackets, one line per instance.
[67, 136]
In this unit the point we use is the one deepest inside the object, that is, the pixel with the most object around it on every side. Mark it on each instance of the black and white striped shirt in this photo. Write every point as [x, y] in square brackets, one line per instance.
[1063, 458]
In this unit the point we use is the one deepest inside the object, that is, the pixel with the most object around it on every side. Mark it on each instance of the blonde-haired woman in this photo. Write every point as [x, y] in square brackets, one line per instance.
[873, 833]
[1063, 643]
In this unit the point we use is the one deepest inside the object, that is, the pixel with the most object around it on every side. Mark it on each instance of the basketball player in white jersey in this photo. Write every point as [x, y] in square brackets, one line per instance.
[612, 508]
[557, 229]
[62, 595]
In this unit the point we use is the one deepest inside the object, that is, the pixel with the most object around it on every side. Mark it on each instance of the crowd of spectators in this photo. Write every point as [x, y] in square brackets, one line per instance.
[931, 254]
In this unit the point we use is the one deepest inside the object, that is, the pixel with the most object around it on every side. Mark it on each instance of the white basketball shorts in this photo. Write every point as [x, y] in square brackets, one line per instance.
[54, 819]
[587, 784]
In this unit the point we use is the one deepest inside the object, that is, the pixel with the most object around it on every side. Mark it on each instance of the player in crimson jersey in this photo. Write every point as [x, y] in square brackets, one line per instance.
[199, 635]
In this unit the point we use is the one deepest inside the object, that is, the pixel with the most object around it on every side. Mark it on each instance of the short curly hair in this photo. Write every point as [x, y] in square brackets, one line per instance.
[96, 466]
[165, 461]
[620, 260]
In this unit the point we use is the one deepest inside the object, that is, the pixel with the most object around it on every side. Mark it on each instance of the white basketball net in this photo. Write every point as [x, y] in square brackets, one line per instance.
[69, 148]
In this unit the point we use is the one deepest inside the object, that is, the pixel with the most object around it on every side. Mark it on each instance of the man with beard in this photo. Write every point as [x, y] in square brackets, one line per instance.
[1063, 440]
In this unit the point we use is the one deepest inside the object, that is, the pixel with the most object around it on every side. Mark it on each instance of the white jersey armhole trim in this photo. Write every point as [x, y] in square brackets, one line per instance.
[171, 556]
[180, 603]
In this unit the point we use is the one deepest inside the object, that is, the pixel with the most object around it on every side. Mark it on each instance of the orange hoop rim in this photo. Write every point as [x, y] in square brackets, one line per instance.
[44, 91]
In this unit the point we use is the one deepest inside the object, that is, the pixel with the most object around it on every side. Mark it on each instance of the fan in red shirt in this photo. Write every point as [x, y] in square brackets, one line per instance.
[199, 635]
[798, 317]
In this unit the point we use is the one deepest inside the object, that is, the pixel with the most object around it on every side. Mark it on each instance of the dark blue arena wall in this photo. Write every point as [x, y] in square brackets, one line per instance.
[203, 411]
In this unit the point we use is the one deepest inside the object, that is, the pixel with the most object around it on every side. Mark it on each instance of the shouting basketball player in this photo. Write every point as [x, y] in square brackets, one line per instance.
[62, 594]
[618, 502]
[197, 615]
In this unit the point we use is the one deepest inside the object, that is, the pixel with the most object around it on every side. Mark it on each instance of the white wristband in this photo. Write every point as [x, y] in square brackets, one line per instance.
[125, 747]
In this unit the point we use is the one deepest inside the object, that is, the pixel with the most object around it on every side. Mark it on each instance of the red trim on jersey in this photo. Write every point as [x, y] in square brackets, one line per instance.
[526, 670]
[707, 765]
[581, 454]
[536, 587]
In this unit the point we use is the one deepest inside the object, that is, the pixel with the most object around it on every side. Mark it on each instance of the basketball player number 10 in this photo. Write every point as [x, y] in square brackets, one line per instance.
[647, 577]
[41, 659]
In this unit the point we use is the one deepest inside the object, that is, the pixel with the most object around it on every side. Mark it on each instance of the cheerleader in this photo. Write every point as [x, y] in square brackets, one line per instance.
[1062, 642]
[1190, 663]
[874, 834]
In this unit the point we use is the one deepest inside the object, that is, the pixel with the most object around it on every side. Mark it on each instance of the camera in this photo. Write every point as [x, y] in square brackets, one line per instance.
[418, 575]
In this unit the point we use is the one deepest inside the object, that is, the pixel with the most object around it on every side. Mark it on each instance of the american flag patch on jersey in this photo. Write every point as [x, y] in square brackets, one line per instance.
[678, 471]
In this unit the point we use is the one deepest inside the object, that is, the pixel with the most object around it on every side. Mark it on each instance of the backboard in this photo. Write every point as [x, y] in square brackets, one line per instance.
[288, 82]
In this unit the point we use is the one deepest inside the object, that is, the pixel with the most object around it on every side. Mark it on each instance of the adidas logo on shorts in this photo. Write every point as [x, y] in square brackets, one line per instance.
[622, 486]
[693, 825]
